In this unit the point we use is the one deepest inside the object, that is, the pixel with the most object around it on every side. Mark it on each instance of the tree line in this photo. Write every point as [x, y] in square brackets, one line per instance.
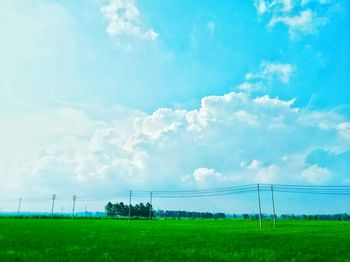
[338, 217]
[187, 214]
[122, 210]
[143, 210]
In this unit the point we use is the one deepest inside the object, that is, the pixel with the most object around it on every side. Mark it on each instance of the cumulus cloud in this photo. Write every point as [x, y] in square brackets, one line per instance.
[262, 173]
[230, 139]
[301, 18]
[124, 19]
[203, 174]
[336, 163]
[234, 138]
[316, 175]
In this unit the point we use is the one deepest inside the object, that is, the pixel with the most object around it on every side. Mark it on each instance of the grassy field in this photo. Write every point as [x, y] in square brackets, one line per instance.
[172, 240]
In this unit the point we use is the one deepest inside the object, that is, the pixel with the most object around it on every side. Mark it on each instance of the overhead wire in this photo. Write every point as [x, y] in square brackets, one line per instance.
[212, 192]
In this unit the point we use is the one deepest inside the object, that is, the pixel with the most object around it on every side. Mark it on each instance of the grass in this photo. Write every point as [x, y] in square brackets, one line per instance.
[172, 240]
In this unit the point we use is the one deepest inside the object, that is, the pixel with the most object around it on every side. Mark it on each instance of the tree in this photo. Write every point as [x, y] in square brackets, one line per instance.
[120, 209]
[110, 210]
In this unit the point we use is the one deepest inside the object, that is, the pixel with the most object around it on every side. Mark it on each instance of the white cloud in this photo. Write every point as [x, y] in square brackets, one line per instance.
[261, 6]
[163, 120]
[305, 22]
[250, 87]
[287, 5]
[269, 71]
[344, 130]
[262, 173]
[264, 6]
[245, 117]
[299, 17]
[266, 75]
[203, 174]
[206, 146]
[316, 175]
[124, 19]
[324, 120]
[275, 102]
[301, 21]
[174, 147]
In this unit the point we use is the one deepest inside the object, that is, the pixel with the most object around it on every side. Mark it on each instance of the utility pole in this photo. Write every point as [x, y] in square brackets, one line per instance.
[260, 217]
[130, 192]
[150, 207]
[73, 209]
[53, 204]
[19, 205]
[273, 207]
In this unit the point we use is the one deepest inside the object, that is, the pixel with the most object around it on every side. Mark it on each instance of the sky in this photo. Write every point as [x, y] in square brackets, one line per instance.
[99, 96]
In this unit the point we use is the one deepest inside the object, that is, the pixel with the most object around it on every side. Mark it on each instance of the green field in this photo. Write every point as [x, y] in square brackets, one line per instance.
[172, 240]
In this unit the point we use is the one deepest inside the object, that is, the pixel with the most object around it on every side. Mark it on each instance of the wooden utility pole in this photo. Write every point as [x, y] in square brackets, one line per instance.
[53, 204]
[260, 216]
[273, 207]
[130, 192]
[73, 209]
[150, 207]
[19, 206]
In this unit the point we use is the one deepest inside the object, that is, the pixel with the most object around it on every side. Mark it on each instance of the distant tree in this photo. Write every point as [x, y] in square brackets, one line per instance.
[220, 215]
[246, 216]
[254, 217]
[120, 209]
[160, 213]
[110, 210]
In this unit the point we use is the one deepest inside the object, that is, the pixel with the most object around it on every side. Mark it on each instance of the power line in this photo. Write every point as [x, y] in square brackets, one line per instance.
[339, 190]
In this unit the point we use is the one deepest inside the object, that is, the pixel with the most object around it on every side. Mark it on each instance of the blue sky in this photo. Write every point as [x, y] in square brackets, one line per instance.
[172, 94]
